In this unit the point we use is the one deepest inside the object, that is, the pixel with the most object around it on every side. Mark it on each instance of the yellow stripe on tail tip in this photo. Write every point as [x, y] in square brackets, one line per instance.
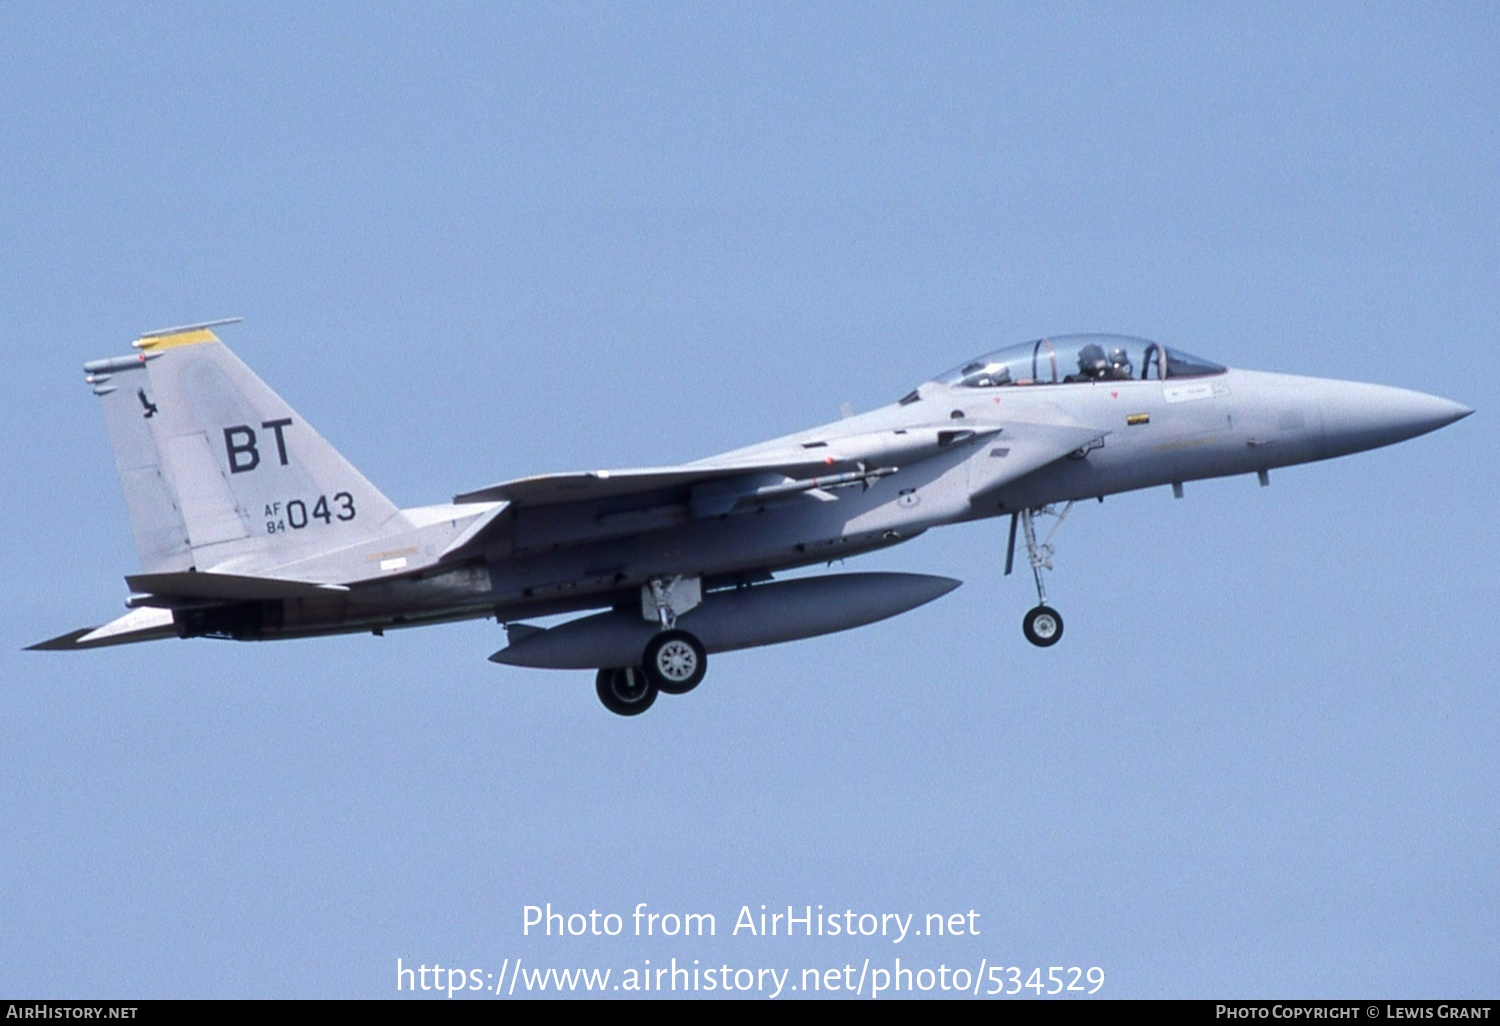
[155, 343]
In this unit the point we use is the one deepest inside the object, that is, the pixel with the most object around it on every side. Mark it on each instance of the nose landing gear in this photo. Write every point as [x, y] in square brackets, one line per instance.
[1043, 626]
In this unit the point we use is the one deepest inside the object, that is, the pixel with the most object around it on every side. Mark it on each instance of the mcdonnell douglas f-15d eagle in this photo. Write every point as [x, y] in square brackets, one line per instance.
[250, 526]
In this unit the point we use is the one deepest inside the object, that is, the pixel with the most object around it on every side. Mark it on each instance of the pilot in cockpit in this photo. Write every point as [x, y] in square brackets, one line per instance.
[1092, 365]
[1119, 364]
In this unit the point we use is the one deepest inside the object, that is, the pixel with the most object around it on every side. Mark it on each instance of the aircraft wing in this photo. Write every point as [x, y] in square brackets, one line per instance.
[594, 485]
[803, 463]
[714, 485]
[794, 459]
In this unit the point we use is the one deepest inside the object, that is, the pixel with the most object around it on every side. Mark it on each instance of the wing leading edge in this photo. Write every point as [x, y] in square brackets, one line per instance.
[590, 485]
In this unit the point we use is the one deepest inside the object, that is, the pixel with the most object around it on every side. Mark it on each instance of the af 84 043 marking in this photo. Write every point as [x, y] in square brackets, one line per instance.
[294, 513]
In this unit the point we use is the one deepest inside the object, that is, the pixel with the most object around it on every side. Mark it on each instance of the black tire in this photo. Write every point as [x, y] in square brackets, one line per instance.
[625, 690]
[1043, 626]
[675, 662]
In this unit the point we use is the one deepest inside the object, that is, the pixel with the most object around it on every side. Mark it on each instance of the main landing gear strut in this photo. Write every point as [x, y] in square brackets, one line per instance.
[673, 662]
[1043, 626]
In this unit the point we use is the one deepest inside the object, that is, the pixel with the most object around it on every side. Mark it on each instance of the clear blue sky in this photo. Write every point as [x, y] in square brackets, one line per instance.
[478, 241]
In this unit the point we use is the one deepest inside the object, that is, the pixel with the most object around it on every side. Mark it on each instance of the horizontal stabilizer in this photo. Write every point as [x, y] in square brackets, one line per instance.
[136, 625]
[62, 643]
[226, 587]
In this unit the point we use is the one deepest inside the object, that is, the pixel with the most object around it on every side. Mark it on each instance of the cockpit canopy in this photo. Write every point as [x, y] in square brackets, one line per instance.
[1069, 359]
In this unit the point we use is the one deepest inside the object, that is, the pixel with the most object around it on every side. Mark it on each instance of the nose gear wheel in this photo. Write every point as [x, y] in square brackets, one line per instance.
[1043, 627]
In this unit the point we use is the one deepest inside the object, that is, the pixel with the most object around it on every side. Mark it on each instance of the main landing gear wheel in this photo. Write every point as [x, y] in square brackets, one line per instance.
[625, 690]
[675, 662]
[1043, 626]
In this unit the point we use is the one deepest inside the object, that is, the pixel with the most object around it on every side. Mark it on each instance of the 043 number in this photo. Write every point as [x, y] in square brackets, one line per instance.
[294, 515]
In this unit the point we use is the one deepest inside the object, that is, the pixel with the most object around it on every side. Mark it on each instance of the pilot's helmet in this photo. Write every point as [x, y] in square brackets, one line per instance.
[1119, 360]
[1091, 362]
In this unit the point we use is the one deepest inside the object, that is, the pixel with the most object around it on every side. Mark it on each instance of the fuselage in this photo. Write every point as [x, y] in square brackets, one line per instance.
[1139, 434]
[250, 525]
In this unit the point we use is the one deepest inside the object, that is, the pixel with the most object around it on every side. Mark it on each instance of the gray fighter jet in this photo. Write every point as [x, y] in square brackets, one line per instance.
[250, 526]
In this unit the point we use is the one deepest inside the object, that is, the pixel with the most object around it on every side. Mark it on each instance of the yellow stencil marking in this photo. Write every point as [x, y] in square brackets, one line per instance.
[182, 338]
[1190, 443]
[410, 550]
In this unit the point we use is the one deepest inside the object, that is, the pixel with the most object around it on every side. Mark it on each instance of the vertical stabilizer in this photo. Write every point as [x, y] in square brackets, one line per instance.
[219, 472]
[161, 537]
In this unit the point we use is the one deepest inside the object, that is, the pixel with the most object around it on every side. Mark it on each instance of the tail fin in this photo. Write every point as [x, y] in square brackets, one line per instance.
[218, 471]
[161, 537]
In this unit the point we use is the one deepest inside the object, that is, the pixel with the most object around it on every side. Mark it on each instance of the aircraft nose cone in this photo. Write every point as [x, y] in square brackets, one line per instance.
[1359, 416]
